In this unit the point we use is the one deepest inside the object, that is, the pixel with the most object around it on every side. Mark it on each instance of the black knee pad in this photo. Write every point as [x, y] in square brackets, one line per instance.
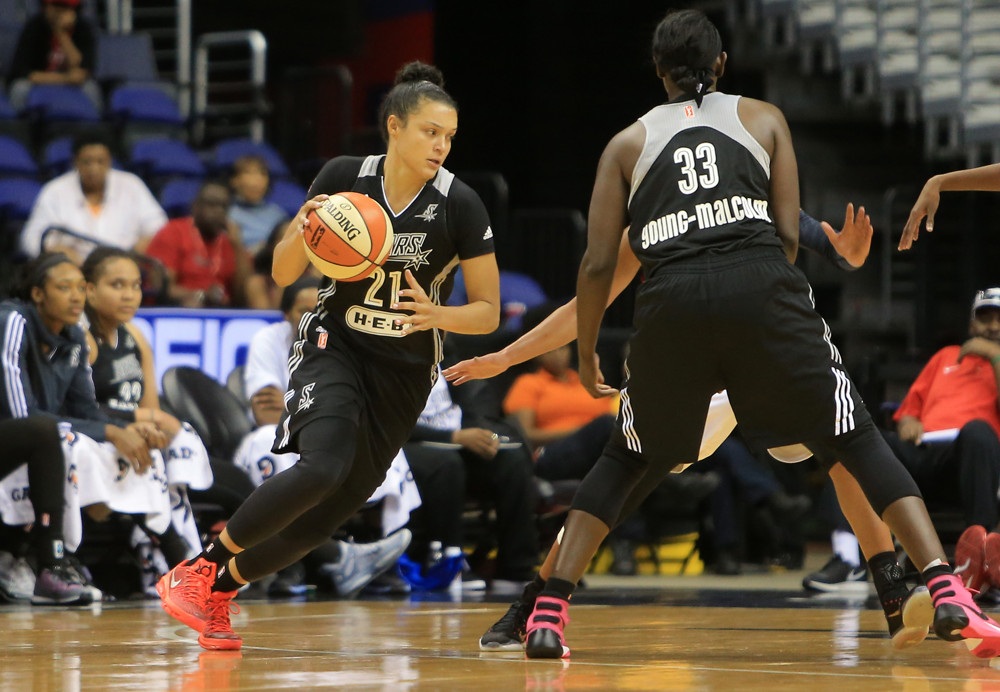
[867, 456]
[608, 484]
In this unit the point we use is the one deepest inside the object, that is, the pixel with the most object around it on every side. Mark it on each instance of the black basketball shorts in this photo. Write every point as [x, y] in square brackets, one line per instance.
[383, 399]
[744, 322]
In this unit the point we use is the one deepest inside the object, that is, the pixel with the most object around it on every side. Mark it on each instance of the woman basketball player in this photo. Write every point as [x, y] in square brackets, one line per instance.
[365, 359]
[908, 614]
[708, 186]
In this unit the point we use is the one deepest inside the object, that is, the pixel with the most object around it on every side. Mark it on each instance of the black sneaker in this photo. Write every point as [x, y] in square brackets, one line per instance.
[837, 576]
[508, 633]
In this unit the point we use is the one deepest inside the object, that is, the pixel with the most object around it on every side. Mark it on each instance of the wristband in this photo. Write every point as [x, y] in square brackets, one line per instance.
[995, 359]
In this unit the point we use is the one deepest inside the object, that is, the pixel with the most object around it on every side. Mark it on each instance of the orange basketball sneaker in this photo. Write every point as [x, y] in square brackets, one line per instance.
[184, 592]
[218, 634]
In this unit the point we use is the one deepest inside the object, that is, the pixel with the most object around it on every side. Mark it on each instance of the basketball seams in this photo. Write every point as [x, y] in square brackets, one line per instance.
[360, 237]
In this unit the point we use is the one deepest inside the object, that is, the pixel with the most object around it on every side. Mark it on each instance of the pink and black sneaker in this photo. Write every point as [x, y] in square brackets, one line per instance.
[545, 629]
[957, 617]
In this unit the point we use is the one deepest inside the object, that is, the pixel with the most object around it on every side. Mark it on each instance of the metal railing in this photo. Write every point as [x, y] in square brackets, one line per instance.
[254, 108]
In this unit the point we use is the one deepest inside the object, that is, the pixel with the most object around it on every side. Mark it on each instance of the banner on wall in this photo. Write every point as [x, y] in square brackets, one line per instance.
[213, 341]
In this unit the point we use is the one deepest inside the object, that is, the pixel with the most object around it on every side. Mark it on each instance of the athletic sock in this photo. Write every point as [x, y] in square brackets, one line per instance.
[224, 580]
[558, 588]
[532, 589]
[936, 570]
[49, 547]
[214, 552]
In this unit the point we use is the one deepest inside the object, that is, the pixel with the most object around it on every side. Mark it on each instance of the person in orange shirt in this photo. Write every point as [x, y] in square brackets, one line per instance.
[948, 437]
[565, 426]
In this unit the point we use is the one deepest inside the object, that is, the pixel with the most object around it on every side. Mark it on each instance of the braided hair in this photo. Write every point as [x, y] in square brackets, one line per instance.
[685, 47]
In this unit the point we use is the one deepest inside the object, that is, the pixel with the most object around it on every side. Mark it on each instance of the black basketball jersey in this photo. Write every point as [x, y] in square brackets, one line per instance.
[446, 222]
[117, 372]
[700, 184]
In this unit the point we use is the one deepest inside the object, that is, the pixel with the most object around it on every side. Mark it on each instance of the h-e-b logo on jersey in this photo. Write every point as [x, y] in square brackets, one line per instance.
[409, 248]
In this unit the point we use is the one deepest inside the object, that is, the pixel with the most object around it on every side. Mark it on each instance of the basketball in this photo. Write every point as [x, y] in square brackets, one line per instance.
[348, 237]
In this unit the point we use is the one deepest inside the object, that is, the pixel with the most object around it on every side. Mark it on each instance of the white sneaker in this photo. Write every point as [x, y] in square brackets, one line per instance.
[17, 581]
[361, 562]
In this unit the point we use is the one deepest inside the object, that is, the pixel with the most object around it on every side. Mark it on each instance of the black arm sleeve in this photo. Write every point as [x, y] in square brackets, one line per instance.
[812, 237]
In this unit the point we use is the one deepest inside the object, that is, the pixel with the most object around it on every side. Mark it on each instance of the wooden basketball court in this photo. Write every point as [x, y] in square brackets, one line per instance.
[666, 638]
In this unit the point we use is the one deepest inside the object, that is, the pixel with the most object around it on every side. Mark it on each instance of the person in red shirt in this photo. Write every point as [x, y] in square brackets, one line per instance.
[948, 436]
[203, 255]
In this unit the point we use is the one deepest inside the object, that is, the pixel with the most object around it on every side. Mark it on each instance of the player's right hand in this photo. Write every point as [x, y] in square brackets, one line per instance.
[926, 205]
[592, 379]
[132, 448]
[477, 368]
[301, 219]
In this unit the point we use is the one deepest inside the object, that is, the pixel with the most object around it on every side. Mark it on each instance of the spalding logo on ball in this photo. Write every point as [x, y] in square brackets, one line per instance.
[348, 237]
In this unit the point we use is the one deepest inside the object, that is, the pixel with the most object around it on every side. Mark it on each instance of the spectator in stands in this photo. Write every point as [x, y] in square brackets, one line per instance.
[95, 203]
[448, 447]
[948, 435]
[122, 366]
[34, 442]
[203, 253]
[46, 370]
[250, 209]
[348, 566]
[262, 293]
[56, 46]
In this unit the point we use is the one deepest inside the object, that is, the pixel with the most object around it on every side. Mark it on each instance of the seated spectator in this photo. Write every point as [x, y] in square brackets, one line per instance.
[501, 476]
[747, 484]
[97, 204]
[250, 209]
[566, 427]
[262, 293]
[56, 46]
[122, 364]
[33, 459]
[46, 371]
[349, 567]
[948, 436]
[203, 253]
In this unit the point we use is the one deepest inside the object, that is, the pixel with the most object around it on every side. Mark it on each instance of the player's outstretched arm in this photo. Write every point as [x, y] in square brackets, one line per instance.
[984, 178]
[558, 329]
[849, 247]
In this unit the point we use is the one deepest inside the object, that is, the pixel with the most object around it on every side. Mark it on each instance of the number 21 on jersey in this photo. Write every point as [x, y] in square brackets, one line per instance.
[702, 157]
[372, 317]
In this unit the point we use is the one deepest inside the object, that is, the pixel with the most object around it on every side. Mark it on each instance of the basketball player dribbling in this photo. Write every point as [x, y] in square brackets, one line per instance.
[365, 358]
[708, 186]
[908, 613]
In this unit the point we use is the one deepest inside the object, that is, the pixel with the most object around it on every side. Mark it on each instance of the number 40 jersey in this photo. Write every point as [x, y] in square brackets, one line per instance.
[445, 223]
[701, 183]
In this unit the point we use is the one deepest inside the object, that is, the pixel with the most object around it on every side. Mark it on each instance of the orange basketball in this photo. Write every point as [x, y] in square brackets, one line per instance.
[348, 237]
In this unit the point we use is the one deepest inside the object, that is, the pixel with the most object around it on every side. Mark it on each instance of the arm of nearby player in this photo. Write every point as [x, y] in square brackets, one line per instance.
[984, 178]
[558, 329]
[608, 215]
[848, 248]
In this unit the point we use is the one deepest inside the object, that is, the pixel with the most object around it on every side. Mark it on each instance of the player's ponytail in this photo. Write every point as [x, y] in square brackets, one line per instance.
[414, 82]
[685, 47]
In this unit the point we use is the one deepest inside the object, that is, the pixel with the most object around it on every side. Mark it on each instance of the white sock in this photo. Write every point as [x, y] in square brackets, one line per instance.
[845, 544]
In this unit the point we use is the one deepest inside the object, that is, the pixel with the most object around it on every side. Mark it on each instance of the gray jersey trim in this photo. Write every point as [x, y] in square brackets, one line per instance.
[718, 111]
[370, 166]
[444, 180]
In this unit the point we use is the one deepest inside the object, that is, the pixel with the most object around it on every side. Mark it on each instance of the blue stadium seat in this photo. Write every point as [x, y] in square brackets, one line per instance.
[287, 195]
[15, 159]
[160, 158]
[7, 111]
[17, 197]
[177, 195]
[228, 150]
[57, 156]
[144, 104]
[125, 58]
[61, 103]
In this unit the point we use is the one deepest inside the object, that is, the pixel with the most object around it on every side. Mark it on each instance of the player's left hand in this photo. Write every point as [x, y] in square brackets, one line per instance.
[979, 346]
[592, 378]
[423, 308]
[854, 241]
